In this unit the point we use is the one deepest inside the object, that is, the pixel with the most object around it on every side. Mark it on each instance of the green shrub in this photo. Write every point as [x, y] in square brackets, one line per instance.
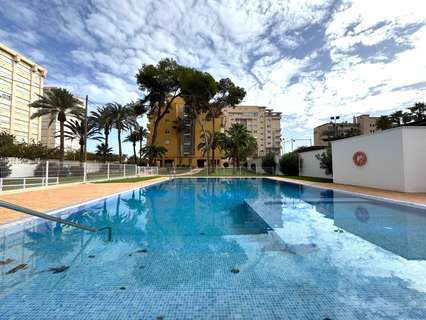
[289, 164]
[268, 163]
[326, 161]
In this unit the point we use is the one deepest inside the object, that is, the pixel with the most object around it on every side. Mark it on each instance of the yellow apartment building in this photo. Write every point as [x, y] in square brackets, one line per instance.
[181, 144]
[21, 82]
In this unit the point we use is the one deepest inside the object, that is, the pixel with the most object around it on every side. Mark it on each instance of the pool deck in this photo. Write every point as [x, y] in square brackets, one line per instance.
[57, 197]
[416, 198]
[46, 199]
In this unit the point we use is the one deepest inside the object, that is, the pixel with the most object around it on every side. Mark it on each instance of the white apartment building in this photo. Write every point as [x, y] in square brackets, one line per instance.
[49, 134]
[21, 82]
[262, 123]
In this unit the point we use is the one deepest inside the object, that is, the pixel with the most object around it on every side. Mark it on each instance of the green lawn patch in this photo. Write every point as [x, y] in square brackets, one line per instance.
[227, 172]
[129, 180]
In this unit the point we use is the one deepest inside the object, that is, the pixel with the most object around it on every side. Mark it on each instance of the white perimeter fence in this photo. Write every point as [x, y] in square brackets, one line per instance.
[52, 172]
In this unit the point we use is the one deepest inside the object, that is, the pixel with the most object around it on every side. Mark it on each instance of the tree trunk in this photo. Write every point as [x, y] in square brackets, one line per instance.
[140, 151]
[208, 161]
[119, 145]
[62, 141]
[179, 142]
[134, 152]
[197, 117]
[213, 147]
[160, 116]
[154, 130]
[106, 145]
[81, 151]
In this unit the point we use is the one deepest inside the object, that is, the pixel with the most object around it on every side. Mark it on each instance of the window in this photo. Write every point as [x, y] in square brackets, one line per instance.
[167, 131]
[5, 96]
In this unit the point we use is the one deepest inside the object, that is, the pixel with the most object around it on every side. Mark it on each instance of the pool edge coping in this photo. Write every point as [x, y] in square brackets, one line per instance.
[359, 194]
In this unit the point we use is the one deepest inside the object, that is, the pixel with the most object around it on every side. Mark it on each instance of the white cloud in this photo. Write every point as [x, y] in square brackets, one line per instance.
[300, 57]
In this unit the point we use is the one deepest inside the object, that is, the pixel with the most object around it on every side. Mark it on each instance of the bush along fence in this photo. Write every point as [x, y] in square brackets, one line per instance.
[47, 173]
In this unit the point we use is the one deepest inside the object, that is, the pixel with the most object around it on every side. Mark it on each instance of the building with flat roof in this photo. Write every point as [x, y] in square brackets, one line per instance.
[262, 123]
[363, 124]
[21, 82]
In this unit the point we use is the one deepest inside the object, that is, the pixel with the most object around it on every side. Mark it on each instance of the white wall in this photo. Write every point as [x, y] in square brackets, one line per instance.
[415, 159]
[396, 160]
[258, 163]
[309, 165]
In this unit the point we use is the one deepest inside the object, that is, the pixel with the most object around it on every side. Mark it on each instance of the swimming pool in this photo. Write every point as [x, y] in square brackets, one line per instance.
[221, 249]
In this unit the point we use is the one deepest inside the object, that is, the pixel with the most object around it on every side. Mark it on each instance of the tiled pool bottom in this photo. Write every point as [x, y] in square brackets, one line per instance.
[176, 244]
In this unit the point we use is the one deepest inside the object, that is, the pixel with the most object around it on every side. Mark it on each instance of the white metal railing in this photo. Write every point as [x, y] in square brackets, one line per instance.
[27, 182]
[147, 171]
[52, 172]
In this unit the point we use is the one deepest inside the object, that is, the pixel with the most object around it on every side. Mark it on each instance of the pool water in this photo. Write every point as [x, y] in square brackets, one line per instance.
[221, 249]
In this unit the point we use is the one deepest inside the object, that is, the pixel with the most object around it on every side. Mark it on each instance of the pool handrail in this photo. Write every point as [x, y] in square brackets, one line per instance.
[38, 214]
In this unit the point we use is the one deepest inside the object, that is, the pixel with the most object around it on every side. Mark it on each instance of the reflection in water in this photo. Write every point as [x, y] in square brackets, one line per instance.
[177, 247]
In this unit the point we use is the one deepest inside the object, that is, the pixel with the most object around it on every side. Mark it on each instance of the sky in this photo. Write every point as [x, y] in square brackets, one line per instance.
[309, 59]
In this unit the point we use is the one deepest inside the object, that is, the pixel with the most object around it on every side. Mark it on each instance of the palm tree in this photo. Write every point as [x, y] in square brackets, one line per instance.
[101, 118]
[104, 151]
[179, 125]
[249, 148]
[238, 144]
[235, 140]
[205, 146]
[76, 129]
[384, 123]
[58, 104]
[407, 117]
[396, 117]
[153, 152]
[123, 118]
[216, 144]
[142, 134]
[418, 111]
[133, 137]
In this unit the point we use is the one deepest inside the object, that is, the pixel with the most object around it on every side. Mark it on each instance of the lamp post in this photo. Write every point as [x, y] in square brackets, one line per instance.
[289, 140]
[335, 118]
[294, 140]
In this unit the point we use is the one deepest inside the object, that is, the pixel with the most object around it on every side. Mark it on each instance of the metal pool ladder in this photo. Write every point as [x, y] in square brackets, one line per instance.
[32, 212]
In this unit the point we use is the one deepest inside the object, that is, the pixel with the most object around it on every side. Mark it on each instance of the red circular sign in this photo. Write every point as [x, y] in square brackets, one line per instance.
[359, 158]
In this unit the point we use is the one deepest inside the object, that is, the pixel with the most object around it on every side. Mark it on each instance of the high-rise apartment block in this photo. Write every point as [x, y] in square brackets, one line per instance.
[262, 123]
[21, 82]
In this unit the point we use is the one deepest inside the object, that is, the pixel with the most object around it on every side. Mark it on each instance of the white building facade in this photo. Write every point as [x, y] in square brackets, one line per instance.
[21, 82]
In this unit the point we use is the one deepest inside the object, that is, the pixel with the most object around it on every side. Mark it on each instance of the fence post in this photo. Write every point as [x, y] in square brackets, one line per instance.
[240, 171]
[107, 170]
[136, 170]
[24, 183]
[124, 170]
[84, 171]
[1, 184]
[47, 174]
